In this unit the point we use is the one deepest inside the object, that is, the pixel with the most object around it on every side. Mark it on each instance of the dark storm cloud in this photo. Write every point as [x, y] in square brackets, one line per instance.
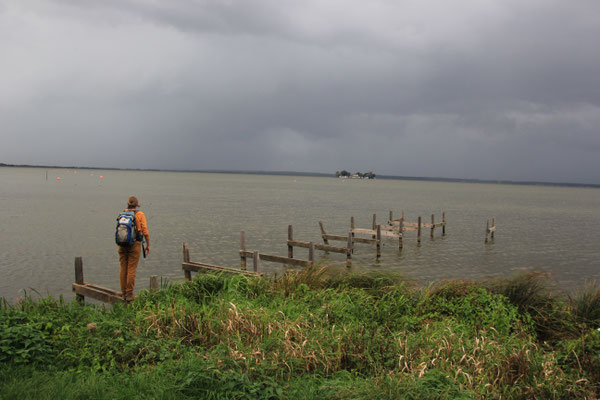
[476, 89]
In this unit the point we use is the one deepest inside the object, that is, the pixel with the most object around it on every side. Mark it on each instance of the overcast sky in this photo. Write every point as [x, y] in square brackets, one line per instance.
[502, 89]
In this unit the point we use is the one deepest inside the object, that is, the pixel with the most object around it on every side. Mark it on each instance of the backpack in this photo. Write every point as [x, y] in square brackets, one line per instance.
[126, 233]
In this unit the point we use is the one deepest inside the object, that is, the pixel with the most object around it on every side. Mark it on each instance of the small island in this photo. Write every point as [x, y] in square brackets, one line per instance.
[358, 175]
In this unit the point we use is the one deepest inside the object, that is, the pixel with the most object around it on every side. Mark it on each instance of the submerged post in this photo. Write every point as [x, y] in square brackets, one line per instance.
[79, 277]
[419, 230]
[352, 225]
[290, 238]
[493, 226]
[323, 233]
[391, 217]
[242, 250]
[487, 230]
[432, 225]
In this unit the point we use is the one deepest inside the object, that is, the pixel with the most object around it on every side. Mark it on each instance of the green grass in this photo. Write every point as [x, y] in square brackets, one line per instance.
[306, 335]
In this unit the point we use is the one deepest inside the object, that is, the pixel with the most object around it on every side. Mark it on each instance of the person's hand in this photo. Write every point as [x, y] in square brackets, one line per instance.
[147, 250]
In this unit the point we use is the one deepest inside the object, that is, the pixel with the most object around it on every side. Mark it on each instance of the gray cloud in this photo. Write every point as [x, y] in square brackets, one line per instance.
[490, 90]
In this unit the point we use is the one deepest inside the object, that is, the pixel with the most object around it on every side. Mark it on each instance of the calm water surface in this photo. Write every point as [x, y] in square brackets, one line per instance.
[46, 223]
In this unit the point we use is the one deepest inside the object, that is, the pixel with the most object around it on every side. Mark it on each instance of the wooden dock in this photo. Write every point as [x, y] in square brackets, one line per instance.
[84, 289]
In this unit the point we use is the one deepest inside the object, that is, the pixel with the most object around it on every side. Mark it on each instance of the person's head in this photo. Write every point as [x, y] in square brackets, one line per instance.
[132, 202]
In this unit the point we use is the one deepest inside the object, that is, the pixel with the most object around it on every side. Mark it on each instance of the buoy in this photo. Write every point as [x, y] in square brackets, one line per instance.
[58, 179]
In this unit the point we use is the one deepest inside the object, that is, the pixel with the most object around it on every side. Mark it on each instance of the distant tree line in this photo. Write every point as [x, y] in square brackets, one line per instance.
[345, 174]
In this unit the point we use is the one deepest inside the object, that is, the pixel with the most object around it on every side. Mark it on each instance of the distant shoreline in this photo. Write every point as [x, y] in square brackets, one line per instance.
[318, 174]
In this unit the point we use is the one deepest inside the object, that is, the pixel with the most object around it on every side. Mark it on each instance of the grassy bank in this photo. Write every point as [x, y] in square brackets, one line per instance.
[309, 335]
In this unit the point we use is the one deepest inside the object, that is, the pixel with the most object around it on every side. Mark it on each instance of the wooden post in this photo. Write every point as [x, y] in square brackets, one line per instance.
[256, 261]
[403, 214]
[493, 226]
[352, 225]
[243, 248]
[79, 277]
[349, 251]
[290, 237]
[378, 241]
[419, 231]
[391, 217]
[153, 283]
[432, 225]
[350, 244]
[443, 224]
[323, 233]
[401, 232]
[311, 253]
[487, 230]
[186, 258]
[374, 224]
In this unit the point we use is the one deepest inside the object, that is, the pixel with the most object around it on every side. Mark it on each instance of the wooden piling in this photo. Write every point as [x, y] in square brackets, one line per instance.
[443, 224]
[186, 258]
[242, 250]
[256, 261]
[419, 230]
[487, 230]
[311, 253]
[79, 277]
[350, 250]
[290, 238]
[401, 232]
[153, 283]
[432, 225]
[378, 237]
[493, 226]
[374, 224]
[323, 233]
[391, 217]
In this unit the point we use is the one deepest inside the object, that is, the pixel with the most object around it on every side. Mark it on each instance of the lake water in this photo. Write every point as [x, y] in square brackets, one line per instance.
[45, 223]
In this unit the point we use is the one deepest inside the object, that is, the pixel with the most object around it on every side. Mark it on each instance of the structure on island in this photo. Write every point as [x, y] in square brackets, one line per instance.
[357, 175]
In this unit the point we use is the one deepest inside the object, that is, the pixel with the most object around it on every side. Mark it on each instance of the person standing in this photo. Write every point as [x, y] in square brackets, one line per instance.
[129, 256]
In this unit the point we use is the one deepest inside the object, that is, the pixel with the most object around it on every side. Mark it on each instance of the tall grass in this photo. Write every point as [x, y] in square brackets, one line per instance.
[307, 334]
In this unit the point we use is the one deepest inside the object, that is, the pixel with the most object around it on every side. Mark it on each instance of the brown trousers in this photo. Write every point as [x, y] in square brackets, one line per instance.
[129, 256]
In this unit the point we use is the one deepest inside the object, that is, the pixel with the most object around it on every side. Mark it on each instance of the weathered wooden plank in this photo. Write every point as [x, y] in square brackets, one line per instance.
[335, 237]
[104, 290]
[193, 266]
[362, 231]
[318, 246]
[87, 290]
[278, 259]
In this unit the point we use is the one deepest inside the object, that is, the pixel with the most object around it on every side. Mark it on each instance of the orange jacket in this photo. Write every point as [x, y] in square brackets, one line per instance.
[140, 222]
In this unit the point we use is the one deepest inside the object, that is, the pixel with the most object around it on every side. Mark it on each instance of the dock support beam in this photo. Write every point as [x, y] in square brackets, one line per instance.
[79, 276]
[242, 253]
[186, 258]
